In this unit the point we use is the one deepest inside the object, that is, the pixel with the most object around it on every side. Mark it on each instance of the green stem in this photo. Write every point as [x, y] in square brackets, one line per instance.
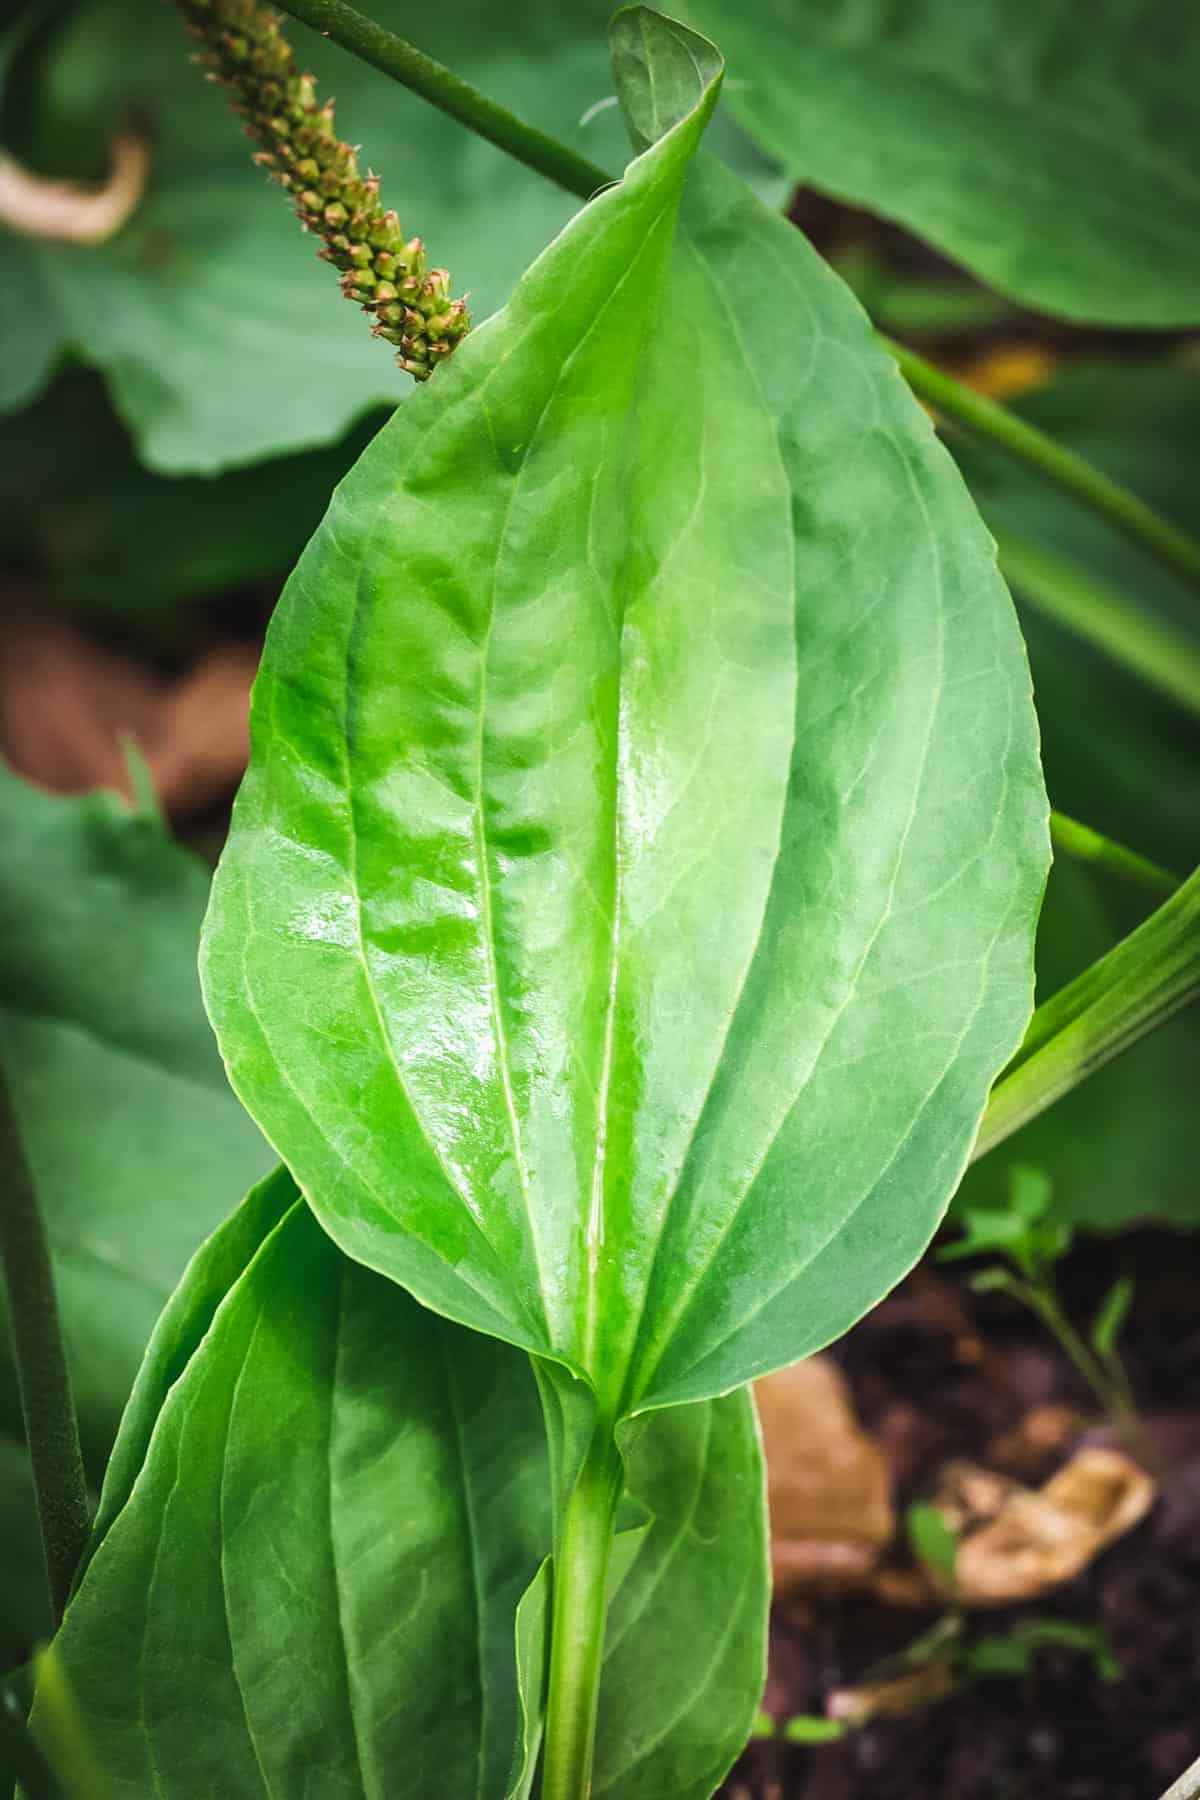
[1135, 987]
[1044, 1302]
[395, 56]
[51, 1430]
[1152, 650]
[1114, 1394]
[1085, 845]
[577, 1622]
[1060, 466]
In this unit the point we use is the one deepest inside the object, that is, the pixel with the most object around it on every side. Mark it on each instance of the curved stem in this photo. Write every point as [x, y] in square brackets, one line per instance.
[1085, 845]
[395, 56]
[51, 1430]
[1155, 652]
[577, 1622]
[986, 418]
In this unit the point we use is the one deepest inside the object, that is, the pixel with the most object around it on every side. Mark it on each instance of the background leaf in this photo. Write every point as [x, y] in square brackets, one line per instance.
[646, 804]
[327, 1602]
[1052, 150]
[1116, 754]
[224, 340]
[78, 510]
[132, 1135]
[133, 1138]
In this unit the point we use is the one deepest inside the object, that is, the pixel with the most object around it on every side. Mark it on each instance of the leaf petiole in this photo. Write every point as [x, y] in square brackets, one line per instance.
[579, 1606]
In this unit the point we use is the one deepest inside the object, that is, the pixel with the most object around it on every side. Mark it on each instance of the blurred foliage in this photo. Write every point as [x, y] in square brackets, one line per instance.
[1047, 146]
[136, 1145]
[78, 510]
[904, 303]
[1121, 1147]
[222, 337]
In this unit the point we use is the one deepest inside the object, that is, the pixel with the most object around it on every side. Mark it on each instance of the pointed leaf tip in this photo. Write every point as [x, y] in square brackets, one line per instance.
[663, 72]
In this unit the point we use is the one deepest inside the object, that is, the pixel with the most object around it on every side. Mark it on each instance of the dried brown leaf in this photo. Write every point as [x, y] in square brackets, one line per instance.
[1039, 1539]
[829, 1484]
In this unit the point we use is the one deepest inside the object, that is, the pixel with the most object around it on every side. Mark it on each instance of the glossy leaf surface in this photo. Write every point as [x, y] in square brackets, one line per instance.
[222, 337]
[312, 1584]
[1053, 150]
[631, 897]
[135, 1142]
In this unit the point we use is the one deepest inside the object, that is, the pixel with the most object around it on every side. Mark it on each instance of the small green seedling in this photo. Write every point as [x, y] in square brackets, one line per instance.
[1027, 1233]
[934, 1544]
[1012, 1655]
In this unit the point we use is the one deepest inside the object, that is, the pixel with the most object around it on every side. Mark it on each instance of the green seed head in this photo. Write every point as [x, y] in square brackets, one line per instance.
[242, 47]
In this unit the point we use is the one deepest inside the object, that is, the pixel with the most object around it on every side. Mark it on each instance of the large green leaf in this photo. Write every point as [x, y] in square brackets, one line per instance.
[223, 338]
[311, 1584]
[685, 1651]
[631, 897]
[1054, 149]
[135, 1142]
[181, 1328]
[1120, 1146]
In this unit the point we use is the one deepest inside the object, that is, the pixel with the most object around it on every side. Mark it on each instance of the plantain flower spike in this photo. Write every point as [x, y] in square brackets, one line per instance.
[244, 49]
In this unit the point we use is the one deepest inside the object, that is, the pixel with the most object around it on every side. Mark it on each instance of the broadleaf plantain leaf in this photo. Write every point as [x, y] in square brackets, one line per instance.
[631, 897]
[1053, 150]
[312, 1584]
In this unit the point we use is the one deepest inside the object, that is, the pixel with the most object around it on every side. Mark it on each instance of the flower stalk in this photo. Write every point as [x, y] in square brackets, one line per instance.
[243, 49]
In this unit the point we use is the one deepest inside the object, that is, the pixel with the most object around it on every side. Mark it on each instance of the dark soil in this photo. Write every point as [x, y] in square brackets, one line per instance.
[938, 1374]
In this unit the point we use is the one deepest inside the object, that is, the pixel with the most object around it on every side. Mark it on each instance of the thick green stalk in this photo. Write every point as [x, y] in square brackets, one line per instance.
[1150, 649]
[579, 1606]
[51, 1430]
[395, 56]
[1085, 845]
[987, 419]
